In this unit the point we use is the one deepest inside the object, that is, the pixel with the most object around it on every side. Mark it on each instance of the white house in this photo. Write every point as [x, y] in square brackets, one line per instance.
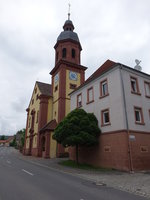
[119, 96]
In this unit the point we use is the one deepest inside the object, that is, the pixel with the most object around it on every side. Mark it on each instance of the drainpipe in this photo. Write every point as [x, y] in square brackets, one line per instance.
[127, 124]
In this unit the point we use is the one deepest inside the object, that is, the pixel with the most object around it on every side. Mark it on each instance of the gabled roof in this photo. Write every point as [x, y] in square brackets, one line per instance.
[102, 69]
[45, 88]
[50, 126]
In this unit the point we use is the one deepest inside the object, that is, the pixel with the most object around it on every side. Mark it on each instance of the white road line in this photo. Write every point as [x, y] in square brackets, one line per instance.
[27, 172]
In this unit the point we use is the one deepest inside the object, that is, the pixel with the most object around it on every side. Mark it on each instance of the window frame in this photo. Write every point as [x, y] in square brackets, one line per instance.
[102, 117]
[139, 109]
[147, 83]
[102, 95]
[78, 106]
[73, 53]
[133, 78]
[64, 53]
[73, 86]
[88, 90]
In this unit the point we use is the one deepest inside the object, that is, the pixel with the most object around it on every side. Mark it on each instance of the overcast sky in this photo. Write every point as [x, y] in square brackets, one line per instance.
[108, 29]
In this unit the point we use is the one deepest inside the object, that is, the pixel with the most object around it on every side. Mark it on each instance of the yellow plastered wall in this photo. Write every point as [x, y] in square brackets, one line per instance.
[55, 99]
[34, 141]
[35, 105]
[68, 90]
[50, 110]
[53, 146]
[27, 143]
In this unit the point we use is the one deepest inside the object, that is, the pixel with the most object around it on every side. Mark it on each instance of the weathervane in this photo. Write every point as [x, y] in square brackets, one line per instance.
[69, 11]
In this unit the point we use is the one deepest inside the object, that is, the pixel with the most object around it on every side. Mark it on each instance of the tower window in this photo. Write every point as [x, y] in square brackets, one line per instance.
[73, 53]
[57, 56]
[64, 51]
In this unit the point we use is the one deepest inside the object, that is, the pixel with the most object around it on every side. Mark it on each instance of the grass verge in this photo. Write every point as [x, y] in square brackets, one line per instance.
[73, 164]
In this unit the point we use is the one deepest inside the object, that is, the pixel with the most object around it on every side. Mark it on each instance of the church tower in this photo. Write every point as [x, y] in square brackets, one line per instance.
[67, 73]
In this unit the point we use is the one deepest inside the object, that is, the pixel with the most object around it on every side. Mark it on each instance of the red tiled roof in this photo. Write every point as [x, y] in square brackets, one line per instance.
[103, 68]
[50, 126]
[45, 88]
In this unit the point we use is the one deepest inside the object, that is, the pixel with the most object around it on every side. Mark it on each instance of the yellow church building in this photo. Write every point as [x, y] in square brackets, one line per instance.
[50, 103]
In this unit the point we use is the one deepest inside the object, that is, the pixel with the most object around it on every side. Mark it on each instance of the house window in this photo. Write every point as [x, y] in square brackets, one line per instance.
[147, 89]
[79, 100]
[138, 115]
[64, 52]
[103, 88]
[105, 118]
[73, 86]
[134, 85]
[73, 53]
[90, 95]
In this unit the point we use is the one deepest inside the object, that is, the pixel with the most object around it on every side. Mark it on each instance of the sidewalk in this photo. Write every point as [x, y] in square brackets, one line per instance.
[137, 183]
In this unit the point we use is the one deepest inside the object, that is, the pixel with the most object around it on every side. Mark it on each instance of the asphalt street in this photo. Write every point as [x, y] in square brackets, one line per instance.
[23, 180]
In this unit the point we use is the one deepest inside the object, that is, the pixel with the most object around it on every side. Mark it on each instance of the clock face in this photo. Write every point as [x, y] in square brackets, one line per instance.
[73, 76]
[56, 78]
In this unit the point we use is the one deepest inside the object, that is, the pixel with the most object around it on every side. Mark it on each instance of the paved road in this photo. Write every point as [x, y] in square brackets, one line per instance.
[23, 180]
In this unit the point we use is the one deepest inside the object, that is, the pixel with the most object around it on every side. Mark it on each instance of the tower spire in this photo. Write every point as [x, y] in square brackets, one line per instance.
[69, 11]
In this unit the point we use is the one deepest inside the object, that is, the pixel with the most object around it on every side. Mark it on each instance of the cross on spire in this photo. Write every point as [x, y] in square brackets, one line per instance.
[69, 11]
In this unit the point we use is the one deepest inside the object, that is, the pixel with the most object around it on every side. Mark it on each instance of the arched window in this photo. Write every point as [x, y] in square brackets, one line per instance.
[73, 53]
[64, 51]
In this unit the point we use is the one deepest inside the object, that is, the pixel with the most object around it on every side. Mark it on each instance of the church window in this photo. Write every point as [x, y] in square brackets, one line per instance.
[57, 56]
[56, 88]
[73, 53]
[64, 52]
[35, 90]
[73, 86]
[37, 116]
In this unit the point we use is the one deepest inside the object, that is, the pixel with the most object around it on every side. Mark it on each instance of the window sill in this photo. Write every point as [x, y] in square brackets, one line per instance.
[147, 96]
[140, 123]
[136, 93]
[104, 96]
[90, 102]
[108, 124]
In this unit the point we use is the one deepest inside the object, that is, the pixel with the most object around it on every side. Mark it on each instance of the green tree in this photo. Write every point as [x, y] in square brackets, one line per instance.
[77, 128]
[13, 143]
[3, 137]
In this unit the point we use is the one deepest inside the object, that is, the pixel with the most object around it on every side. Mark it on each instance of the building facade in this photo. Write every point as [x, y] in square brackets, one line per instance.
[119, 96]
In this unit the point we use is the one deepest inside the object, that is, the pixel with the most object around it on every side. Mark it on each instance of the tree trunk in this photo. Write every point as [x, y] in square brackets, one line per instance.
[77, 161]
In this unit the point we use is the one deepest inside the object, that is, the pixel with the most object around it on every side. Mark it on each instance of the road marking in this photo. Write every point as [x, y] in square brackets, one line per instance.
[27, 172]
